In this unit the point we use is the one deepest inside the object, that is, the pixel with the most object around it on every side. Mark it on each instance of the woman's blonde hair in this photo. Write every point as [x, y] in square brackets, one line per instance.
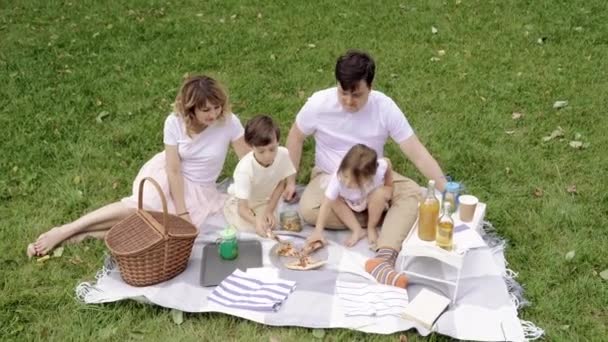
[195, 93]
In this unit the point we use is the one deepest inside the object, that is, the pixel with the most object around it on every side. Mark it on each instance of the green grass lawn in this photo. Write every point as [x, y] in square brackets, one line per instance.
[63, 64]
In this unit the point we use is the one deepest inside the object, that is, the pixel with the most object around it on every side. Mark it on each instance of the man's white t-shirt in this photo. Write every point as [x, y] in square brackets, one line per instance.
[254, 182]
[336, 130]
[202, 155]
[356, 198]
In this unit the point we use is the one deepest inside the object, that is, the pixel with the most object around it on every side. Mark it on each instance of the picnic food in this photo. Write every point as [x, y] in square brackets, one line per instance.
[304, 263]
[312, 247]
[290, 220]
[287, 249]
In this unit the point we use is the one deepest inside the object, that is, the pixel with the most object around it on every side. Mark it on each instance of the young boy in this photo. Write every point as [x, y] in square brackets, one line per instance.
[259, 179]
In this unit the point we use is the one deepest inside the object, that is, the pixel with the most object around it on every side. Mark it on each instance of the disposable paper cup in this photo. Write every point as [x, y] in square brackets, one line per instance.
[467, 205]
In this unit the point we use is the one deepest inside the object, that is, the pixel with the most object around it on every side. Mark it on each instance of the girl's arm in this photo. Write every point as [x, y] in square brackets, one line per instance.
[176, 180]
[317, 234]
[240, 147]
[388, 176]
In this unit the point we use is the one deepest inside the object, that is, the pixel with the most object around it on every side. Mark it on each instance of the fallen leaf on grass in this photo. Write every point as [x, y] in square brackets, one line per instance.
[76, 180]
[58, 252]
[570, 255]
[560, 104]
[43, 259]
[576, 144]
[177, 316]
[434, 30]
[510, 132]
[508, 170]
[516, 116]
[75, 260]
[604, 274]
[435, 59]
[311, 46]
[571, 189]
[538, 192]
[101, 115]
[557, 133]
[318, 333]
[233, 16]
[441, 52]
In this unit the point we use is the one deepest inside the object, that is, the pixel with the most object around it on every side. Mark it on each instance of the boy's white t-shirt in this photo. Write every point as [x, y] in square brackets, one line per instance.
[254, 182]
[356, 198]
[202, 155]
[336, 130]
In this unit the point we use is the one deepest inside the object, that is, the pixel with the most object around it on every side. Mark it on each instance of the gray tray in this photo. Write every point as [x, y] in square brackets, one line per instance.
[215, 269]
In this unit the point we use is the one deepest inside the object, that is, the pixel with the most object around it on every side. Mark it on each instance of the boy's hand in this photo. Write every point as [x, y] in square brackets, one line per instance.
[271, 220]
[261, 226]
[289, 194]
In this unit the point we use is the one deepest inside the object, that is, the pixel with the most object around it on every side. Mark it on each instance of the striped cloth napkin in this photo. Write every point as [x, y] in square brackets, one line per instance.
[244, 291]
[361, 299]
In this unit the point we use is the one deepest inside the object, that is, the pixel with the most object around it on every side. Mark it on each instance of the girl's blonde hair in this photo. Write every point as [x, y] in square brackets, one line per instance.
[195, 93]
[362, 163]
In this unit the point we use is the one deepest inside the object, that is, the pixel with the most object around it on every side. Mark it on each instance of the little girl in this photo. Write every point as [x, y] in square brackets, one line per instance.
[362, 182]
[259, 179]
[196, 138]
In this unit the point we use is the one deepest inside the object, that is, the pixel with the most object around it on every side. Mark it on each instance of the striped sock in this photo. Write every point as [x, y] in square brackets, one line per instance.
[385, 273]
[387, 254]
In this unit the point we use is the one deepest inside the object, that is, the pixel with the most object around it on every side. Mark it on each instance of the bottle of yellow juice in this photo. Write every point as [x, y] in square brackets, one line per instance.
[445, 229]
[428, 214]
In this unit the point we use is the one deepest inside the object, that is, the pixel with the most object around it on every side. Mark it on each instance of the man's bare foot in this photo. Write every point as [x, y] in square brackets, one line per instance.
[47, 241]
[372, 237]
[355, 236]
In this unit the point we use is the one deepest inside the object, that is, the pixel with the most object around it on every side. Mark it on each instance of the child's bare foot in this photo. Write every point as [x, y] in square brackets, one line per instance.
[47, 241]
[355, 236]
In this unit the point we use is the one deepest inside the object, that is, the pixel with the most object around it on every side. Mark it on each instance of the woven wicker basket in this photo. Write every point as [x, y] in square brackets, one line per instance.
[147, 251]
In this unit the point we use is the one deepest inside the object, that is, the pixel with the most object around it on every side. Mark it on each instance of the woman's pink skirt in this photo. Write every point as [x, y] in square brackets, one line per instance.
[201, 200]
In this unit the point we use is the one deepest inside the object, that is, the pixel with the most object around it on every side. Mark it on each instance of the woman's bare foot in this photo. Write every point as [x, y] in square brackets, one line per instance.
[31, 250]
[47, 241]
[355, 236]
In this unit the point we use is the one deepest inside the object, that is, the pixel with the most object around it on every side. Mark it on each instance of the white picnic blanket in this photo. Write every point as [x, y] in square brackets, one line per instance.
[485, 309]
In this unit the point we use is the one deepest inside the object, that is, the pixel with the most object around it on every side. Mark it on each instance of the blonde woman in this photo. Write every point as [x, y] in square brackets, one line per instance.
[197, 136]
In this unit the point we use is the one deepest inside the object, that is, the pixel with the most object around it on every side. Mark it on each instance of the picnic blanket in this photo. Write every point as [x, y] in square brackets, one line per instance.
[485, 310]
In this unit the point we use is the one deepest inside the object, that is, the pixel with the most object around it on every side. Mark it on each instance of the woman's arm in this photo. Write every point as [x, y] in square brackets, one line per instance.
[240, 147]
[176, 179]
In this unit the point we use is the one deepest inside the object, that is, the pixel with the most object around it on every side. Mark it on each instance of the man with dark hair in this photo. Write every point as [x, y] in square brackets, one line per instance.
[348, 114]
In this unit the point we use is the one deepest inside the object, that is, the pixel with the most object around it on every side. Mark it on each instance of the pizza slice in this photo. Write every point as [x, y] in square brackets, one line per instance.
[305, 263]
[287, 249]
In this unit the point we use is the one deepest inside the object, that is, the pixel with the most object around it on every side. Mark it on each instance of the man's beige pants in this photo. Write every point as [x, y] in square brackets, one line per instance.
[397, 221]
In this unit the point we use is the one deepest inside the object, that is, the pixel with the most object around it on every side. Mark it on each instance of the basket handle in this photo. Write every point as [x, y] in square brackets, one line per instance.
[162, 198]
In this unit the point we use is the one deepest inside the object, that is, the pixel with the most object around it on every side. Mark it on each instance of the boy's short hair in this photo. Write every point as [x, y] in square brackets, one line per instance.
[355, 66]
[261, 130]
